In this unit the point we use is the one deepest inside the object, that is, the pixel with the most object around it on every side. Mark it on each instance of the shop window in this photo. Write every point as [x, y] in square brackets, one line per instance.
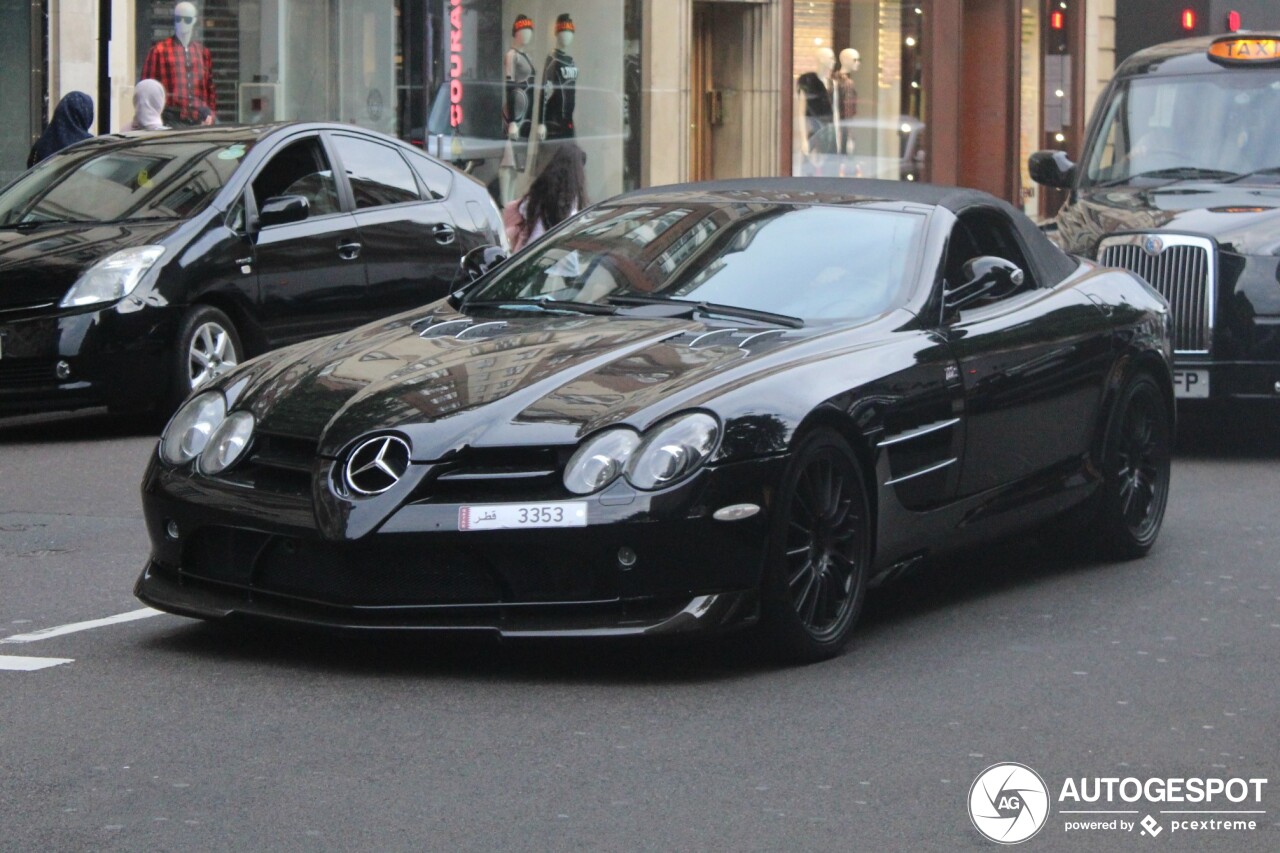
[377, 173]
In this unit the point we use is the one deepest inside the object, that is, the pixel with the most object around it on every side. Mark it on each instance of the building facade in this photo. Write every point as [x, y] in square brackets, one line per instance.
[655, 91]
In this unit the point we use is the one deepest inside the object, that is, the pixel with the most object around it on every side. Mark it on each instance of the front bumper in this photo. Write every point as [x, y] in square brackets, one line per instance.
[73, 359]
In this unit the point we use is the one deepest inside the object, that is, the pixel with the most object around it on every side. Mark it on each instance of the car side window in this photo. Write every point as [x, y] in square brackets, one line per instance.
[436, 177]
[300, 168]
[377, 173]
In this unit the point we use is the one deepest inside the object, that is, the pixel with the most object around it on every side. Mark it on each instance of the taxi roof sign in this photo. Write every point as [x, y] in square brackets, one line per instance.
[1246, 50]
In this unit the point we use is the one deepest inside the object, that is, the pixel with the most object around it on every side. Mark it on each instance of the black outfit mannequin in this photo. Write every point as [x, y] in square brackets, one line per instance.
[559, 81]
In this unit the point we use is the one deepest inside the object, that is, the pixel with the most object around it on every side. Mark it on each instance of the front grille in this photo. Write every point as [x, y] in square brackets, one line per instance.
[18, 374]
[276, 463]
[1179, 267]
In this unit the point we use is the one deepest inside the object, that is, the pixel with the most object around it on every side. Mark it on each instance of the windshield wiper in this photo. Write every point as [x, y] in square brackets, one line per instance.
[1175, 173]
[712, 308]
[33, 224]
[1270, 170]
[545, 305]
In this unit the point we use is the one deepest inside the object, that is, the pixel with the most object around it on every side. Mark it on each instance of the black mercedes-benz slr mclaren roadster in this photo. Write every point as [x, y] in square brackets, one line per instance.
[688, 408]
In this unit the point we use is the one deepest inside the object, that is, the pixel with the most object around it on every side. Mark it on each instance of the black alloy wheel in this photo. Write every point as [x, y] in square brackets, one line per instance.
[820, 550]
[1136, 467]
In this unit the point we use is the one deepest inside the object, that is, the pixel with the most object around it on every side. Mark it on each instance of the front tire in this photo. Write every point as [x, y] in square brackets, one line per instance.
[1136, 464]
[819, 551]
[208, 346]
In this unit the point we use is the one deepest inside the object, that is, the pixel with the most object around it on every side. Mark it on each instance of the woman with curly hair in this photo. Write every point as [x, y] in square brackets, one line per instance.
[558, 192]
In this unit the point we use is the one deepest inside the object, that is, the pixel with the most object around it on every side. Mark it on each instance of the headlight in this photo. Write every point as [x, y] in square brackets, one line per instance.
[598, 463]
[227, 443]
[189, 430]
[112, 278]
[673, 450]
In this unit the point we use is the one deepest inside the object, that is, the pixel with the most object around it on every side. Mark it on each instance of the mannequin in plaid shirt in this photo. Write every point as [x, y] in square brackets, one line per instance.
[185, 69]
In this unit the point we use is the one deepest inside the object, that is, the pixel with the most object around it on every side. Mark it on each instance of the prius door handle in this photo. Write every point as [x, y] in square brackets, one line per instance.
[348, 251]
[444, 234]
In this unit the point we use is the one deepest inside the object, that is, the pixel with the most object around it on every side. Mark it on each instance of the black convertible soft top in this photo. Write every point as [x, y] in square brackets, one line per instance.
[1052, 264]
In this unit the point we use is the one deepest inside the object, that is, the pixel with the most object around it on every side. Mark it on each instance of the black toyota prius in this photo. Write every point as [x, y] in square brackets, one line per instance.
[135, 268]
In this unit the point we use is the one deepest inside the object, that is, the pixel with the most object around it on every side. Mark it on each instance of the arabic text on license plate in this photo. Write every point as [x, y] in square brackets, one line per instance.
[1191, 383]
[521, 516]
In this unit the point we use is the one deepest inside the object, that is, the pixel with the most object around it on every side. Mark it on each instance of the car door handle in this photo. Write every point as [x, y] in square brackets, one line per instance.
[348, 251]
[444, 234]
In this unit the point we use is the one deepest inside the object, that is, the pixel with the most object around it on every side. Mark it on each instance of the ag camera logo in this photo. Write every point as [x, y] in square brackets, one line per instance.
[1008, 803]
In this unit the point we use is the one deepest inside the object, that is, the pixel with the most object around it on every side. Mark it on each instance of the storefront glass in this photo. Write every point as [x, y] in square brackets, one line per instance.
[859, 98]
[452, 76]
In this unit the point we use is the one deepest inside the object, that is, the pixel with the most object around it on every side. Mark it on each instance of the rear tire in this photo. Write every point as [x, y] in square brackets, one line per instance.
[208, 346]
[819, 551]
[1136, 464]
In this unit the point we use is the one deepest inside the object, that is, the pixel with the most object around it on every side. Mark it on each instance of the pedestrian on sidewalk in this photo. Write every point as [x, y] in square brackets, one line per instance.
[148, 104]
[69, 125]
[558, 192]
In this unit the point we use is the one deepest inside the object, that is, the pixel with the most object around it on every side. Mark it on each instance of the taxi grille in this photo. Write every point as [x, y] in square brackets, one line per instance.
[1181, 269]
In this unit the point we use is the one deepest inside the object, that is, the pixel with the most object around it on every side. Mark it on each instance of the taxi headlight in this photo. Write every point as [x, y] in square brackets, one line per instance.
[673, 450]
[227, 443]
[599, 461]
[189, 430]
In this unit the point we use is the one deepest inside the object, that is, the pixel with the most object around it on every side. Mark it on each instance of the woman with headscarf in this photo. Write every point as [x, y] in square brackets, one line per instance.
[70, 124]
[148, 103]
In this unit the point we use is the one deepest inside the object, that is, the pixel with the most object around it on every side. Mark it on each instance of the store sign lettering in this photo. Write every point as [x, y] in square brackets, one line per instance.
[455, 63]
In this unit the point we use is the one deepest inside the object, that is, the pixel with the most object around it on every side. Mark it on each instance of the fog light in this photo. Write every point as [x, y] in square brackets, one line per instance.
[626, 557]
[62, 369]
[171, 529]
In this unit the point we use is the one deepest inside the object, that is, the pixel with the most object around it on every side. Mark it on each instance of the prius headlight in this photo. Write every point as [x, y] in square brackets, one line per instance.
[599, 461]
[673, 450]
[189, 430]
[227, 443]
[112, 278]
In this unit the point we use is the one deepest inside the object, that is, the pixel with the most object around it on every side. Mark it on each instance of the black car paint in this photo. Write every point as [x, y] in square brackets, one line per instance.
[1021, 393]
[278, 285]
[1241, 218]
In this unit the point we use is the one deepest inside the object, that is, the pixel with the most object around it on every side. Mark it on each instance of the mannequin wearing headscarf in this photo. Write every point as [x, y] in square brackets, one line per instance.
[148, 103]
[69, 125]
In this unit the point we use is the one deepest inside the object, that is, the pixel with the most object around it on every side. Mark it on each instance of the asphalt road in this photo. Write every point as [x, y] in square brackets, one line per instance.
[162, 733]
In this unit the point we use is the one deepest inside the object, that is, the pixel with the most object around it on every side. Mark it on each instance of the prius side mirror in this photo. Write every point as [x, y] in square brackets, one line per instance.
[986, 277]
[474, 265]
[283, 209]
[1053, 169]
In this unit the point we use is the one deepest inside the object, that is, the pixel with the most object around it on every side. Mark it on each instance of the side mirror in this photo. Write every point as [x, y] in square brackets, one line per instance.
[985, 277]
[474, 265]
[1053, 169]
[283, 209]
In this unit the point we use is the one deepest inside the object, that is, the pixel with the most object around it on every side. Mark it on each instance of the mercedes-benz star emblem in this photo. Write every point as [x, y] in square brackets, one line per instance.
[376, 465]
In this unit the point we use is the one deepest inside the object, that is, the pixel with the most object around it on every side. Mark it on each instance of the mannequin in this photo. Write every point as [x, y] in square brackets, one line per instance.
[517, 103]
[185, 68]
[846, 97]
[559, 79]
[814, 90]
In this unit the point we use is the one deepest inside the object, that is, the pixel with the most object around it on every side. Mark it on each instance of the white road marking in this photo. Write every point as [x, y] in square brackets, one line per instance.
[46, 633]
[22, 664]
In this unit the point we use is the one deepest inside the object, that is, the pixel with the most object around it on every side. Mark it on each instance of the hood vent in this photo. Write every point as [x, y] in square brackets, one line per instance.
[463, 329]
[741, 338]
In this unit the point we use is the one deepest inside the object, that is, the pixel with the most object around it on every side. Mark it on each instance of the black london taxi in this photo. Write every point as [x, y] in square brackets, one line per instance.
[1180, 183]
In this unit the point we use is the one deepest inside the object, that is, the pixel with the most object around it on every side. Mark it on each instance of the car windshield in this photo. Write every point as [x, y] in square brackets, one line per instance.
[807, 262]
[156, 178]
[1218, 126]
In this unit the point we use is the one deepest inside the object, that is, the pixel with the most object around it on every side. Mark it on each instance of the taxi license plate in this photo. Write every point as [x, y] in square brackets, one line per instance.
[522, 516]
[1191, 384]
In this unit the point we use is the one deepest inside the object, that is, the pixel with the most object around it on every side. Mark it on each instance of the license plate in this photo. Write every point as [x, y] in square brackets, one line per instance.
[1191, 384]
[522, 516]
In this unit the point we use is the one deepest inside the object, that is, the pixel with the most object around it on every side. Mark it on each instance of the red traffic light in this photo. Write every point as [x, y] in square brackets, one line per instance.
[1188, 19]
[1057, 19]
[1233, 21]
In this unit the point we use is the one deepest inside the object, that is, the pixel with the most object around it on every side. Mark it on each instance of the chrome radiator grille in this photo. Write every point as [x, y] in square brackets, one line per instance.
[1181, 268]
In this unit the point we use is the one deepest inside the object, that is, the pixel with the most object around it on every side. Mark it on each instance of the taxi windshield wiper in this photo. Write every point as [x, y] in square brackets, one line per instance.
[1270, 170]
[1175, 173]
[545, 305]
[693, 305]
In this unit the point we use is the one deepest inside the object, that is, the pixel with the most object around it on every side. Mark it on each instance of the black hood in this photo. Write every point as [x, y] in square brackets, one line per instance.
[1242, 218]
[37, 267]
[469, 382]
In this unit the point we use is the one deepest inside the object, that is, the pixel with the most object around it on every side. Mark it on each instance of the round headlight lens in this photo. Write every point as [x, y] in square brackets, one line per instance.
[227, 443]
[599, 461]
[673, 451]
[189, 430]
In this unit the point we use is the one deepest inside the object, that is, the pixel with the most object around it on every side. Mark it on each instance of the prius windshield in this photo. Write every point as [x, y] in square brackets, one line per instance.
[806, 262]
[1220, 126]
[153, 179]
